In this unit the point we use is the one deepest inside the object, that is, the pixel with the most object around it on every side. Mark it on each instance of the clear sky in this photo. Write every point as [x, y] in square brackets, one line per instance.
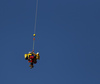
[67, 37]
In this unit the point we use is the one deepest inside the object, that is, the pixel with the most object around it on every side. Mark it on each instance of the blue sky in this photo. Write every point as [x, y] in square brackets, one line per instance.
[67, 37]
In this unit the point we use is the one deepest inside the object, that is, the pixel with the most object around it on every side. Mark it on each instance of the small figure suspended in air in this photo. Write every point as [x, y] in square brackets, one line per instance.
[32, 58]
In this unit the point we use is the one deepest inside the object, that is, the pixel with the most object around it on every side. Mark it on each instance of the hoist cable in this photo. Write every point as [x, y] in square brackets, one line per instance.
[35, 17]
[35, 24]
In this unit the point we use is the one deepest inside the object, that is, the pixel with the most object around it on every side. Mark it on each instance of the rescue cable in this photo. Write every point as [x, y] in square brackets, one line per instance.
[35, 25]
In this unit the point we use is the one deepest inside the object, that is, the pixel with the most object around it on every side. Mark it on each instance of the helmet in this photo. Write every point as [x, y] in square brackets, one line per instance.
[37, 53]
[29, 52]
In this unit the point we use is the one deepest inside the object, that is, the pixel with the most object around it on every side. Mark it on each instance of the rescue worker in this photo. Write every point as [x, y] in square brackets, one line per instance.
[32, 58]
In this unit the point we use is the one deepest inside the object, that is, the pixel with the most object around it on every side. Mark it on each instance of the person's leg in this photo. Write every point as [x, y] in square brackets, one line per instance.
[32, 65]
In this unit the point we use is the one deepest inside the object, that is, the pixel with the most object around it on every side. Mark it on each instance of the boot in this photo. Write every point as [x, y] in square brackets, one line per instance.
[31, 66]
